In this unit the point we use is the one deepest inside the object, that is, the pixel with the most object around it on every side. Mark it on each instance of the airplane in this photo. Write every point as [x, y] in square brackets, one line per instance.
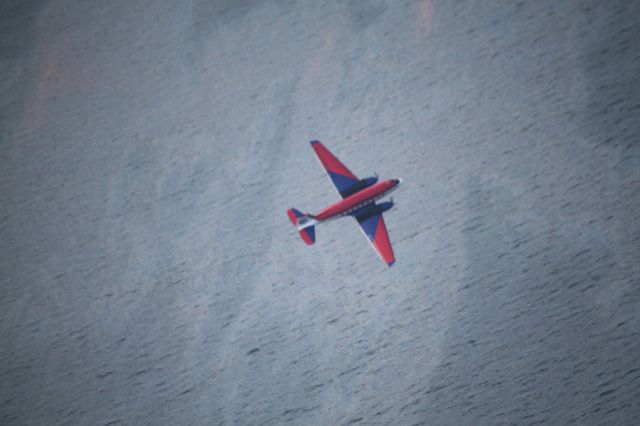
[359, 198]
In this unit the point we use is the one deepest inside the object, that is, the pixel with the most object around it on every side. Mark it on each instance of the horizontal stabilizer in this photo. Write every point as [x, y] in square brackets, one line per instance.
[305, 224]
[308, 235]
[294, 214]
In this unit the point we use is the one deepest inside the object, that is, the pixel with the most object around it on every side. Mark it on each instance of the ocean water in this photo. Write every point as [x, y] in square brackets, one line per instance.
[149, 151]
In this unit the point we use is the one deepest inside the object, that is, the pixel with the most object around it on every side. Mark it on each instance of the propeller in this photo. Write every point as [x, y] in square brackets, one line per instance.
[375, 174]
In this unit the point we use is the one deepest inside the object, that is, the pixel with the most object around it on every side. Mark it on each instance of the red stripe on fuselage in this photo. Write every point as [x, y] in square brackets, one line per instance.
[365, 196]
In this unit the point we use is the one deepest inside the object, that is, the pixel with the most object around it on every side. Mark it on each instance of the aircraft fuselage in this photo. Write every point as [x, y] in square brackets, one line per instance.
[358, 201]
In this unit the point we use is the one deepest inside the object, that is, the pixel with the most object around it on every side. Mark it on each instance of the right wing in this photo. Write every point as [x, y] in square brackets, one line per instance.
[340, 175]
[374, 228]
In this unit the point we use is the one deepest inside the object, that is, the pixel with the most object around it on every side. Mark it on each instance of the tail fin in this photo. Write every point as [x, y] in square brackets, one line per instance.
[305, 224]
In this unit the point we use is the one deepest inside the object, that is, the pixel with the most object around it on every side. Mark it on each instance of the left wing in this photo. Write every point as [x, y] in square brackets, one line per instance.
[340, 175]
[374, 228]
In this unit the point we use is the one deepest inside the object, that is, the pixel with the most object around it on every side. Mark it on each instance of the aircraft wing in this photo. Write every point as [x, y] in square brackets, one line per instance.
[340, 175]
[374, 228]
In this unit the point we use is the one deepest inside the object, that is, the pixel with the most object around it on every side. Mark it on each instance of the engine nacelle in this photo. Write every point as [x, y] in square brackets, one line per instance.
[383, 207]
[359, 186]
[369, 181]
[374, 209]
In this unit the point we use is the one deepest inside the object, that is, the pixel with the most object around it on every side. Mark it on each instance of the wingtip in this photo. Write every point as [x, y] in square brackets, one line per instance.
[390, 264]
[314, 142]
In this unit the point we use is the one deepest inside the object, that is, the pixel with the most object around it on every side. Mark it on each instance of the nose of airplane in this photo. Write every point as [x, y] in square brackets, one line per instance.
[399, 181]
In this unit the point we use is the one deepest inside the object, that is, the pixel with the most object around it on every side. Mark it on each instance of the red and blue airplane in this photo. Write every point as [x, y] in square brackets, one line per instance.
[359, 198]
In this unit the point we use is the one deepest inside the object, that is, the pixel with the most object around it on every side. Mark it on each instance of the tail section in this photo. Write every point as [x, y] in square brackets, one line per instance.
[305, 224]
